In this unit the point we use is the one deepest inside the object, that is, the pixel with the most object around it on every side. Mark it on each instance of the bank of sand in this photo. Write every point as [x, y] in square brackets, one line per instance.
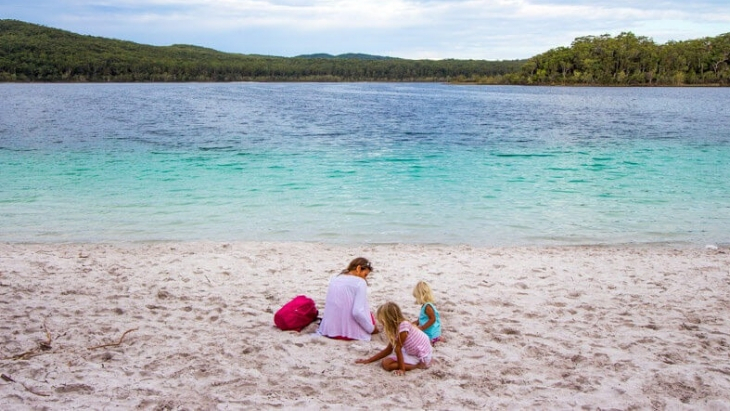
[190, 326]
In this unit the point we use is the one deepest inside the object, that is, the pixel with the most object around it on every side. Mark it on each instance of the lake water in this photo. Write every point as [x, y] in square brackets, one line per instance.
[364, 163]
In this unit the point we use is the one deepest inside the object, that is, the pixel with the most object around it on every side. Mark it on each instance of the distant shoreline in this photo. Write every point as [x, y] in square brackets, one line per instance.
[34, 53]
[451, 83]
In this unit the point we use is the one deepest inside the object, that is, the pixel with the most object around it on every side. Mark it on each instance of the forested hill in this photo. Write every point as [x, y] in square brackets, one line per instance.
[33, 53]
[630, 60]
[359, 56]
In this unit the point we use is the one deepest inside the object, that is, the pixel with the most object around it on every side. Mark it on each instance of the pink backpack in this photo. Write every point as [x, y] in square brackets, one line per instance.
[296, 314]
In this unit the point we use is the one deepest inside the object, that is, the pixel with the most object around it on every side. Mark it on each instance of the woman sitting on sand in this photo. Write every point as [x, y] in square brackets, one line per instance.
[347, 313]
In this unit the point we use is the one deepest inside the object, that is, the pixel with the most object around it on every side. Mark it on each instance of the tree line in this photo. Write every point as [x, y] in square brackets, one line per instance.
[631, 60]
[34, 53]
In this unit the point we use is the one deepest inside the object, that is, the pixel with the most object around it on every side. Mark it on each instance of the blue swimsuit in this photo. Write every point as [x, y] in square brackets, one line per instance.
[434, 331]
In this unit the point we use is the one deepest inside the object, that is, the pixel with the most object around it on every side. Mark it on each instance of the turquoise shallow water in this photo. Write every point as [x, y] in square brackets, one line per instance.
[355, 163]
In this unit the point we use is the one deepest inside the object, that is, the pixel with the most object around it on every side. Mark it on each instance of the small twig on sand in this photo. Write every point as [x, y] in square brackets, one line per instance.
[45, 345]
[24, 356]
[10, 379]
[114, 344]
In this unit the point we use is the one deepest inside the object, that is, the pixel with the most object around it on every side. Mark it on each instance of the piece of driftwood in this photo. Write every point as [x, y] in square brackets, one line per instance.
[42, 346]
[116, 343]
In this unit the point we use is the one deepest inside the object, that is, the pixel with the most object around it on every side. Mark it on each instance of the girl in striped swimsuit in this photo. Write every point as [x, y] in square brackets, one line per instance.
[408, 348]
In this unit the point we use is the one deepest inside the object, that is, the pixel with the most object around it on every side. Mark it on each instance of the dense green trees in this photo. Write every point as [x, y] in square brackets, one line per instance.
[630, 60]
[30, 52]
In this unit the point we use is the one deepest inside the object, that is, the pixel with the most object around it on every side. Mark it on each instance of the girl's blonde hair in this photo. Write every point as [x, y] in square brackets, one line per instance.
[390, 315]
[422, 292]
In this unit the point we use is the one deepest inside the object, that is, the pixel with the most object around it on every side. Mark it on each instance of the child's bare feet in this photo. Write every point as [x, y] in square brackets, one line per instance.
[424, 366]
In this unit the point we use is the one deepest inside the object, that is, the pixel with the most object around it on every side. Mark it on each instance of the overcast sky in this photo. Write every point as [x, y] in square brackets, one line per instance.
[414, 29]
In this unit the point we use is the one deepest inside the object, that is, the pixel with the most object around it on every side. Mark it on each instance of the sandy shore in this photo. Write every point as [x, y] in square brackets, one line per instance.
[190, 326]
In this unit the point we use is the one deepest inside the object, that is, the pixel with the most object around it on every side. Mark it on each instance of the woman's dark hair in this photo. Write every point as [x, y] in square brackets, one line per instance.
[363, 263]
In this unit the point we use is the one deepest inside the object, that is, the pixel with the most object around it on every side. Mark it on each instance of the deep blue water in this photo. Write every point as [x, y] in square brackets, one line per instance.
[364, 163]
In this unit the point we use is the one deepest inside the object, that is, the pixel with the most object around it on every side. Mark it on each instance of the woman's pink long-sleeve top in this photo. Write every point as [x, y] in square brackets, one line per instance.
[346, 310]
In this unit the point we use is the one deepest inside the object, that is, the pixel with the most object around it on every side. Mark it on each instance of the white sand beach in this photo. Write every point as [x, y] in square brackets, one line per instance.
[173, 326]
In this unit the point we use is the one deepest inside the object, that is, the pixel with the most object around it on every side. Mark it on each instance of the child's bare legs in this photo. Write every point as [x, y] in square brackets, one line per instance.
[390, 364]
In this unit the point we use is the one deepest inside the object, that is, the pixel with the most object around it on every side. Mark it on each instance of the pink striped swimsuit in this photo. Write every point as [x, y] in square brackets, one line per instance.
[417, 344]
